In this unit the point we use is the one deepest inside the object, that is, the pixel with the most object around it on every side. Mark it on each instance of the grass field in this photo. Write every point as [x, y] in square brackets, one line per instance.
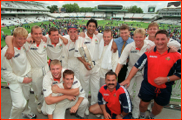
[100, 23]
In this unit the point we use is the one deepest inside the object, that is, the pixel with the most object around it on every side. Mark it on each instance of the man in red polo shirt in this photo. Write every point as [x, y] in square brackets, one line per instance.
[113, 100]
[161, 69]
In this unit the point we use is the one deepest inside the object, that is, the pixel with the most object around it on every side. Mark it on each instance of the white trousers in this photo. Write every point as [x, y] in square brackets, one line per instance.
[73, 64]
[37, 81]
[102, 82]
[90, 80]
[133, 90]
[60, 108]
[20, 93]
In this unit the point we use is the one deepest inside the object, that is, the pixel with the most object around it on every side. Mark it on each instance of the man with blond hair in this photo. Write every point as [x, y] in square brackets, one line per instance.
[161, 69]
[152, 30]
[17, 72]
[133, 51]
[37, 56]
[65, 89]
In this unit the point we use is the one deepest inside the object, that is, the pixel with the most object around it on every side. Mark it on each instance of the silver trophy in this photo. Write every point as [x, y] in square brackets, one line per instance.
[86, 56]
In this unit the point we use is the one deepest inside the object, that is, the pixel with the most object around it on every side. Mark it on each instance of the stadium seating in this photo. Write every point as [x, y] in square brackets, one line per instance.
[89, 14]
[149, 16]
[120, 15]
[13, 4]
[136, 15]
[128, 15]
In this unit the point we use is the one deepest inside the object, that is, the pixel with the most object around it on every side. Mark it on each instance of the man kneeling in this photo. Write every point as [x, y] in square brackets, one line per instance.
[113, 100]
[67, 93]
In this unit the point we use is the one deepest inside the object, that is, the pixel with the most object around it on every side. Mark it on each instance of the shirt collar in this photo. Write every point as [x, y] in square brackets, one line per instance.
[155, 50]
[86, 36]
[121, 41]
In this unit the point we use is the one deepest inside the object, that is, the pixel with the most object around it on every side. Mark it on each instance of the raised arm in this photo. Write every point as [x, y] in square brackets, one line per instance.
[114, 47]
[57, 89]
[10, 51]
[54, 99]
[65, 41]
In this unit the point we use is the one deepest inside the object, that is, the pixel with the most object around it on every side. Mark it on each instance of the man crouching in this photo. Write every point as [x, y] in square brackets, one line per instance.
[113, 100]
[67, 93]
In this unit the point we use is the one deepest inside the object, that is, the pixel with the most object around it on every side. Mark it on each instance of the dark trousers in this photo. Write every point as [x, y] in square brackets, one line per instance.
[122, 73]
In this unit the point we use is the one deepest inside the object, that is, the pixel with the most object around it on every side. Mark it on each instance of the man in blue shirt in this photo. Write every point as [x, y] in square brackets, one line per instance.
[121, 42]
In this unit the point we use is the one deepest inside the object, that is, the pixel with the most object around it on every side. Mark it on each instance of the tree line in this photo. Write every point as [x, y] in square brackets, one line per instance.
[75, 8]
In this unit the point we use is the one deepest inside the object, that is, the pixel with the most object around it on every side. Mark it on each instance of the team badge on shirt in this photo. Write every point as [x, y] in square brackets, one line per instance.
[44, 47]
[24, 48]
[60, 46]
[168, 58]
[114, 95]
[96, 41]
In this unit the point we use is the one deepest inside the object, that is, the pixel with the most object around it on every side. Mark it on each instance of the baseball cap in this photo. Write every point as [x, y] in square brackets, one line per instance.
[72, 27]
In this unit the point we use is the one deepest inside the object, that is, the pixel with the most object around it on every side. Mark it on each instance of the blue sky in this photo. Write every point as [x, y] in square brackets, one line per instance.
[143, 4]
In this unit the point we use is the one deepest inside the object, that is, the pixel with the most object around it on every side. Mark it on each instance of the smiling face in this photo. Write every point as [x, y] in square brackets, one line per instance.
[139, 39]
[19, 41]
[124, 34]
[161, 41]
[152, 31]
[68, 81]
[54, 36]
[56, 71]
[91, 28]
[107, 36]
[37, 34]
[73, 33]
[111, 82]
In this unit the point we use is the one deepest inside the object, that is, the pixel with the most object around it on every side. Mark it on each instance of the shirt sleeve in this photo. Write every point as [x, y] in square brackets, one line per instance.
[76, 83]
[47, 86]
[178, 68]
[141, 61]
[82, 92]
[99, 36]
[7, 72]
[125, 101]
[101, 100]
[77, 46]
[150, 43]
[174, 43]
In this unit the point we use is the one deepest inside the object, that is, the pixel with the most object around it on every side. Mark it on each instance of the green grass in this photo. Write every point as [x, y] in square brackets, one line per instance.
[176, 100]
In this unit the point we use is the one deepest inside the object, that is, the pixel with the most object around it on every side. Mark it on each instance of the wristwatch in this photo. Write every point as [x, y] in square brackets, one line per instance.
[168, 79]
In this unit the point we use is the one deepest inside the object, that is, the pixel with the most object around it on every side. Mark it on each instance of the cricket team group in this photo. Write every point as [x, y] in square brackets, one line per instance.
[64, 71]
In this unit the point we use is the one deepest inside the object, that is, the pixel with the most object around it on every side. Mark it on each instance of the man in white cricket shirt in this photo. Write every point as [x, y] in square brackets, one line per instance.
[37, 56]
[133, 51]
[108, 60]
[69, 50]
[17, 73]
[68, 93]
[89, 77]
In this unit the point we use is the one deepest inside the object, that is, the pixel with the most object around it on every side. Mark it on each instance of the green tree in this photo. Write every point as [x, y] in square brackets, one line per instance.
[71, 7]
[53, 8]
[86, 9]
[134, 9]
[75, 7]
